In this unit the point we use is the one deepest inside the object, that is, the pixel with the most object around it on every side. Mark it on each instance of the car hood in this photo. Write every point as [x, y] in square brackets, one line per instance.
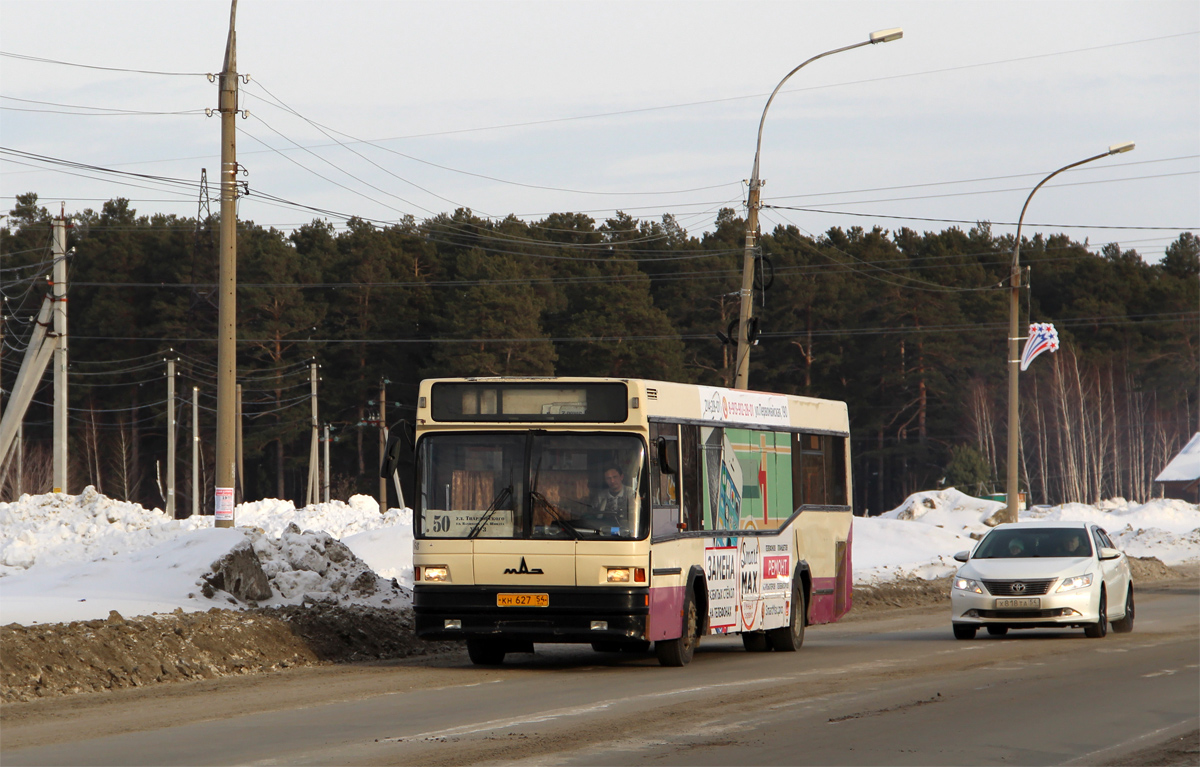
[1025, 569]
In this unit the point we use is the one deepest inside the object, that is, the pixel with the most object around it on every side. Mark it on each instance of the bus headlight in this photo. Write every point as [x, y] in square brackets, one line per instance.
[435, 573]
[618, 575]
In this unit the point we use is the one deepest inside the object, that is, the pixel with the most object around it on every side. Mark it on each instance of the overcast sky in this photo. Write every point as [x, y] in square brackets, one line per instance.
[645, 107]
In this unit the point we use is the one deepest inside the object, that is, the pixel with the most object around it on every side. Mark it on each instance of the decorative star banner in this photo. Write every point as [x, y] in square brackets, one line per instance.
[1042, 338]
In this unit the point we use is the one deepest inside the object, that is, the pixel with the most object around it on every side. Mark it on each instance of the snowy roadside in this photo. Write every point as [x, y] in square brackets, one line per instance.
[65, 558]
[99, 594]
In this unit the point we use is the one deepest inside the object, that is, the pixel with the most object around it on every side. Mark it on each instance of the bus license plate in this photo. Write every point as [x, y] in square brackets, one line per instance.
[523, 600]
[1018, 604]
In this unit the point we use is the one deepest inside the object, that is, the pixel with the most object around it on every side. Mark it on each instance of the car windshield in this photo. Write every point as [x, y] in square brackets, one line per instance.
[1034, 542]
[532, 485]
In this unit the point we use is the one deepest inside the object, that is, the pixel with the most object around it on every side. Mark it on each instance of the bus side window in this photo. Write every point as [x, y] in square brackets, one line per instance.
[835, 470]
[690, 477]
[808, 470]
[664, 487]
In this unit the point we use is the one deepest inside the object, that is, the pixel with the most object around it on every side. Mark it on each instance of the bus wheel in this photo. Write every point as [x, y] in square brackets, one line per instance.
[678, 652]
[755, 641]
[485, 653]
[789, 638]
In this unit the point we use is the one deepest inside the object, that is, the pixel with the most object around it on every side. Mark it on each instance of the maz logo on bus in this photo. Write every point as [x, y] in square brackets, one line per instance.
[523, 570]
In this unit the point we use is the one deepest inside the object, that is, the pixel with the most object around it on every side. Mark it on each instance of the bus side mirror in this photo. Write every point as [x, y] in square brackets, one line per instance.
[398, 439]
[666, 457]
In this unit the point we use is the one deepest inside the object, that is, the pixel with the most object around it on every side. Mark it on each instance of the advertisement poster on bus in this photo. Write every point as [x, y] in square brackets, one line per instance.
[721, 568]
[750, 582]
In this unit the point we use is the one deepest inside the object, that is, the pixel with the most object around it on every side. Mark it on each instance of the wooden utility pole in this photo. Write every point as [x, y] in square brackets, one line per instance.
[59, 292]
[171, 439]
[326, 494]
[225, 468]
[382, 443]
[312, 494]
[196, 451]
[241, 465]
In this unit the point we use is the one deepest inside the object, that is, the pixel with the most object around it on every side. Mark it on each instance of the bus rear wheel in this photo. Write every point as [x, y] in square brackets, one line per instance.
[485, 653]
[789, 638]
[678, 652]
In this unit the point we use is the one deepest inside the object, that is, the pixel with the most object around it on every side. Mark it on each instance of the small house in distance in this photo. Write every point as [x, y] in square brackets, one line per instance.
[1181, 477]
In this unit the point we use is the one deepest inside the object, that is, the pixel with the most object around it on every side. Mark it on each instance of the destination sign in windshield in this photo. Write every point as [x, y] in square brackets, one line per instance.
[530, 402]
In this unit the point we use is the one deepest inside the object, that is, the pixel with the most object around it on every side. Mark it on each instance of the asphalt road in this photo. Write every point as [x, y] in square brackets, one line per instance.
[894, 689]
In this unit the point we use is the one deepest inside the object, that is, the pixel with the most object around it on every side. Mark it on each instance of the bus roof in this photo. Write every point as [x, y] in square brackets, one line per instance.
[710, 405]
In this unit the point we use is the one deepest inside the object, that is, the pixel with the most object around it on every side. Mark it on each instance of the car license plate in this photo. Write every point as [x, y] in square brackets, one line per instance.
[525, 600]
[1018, 604]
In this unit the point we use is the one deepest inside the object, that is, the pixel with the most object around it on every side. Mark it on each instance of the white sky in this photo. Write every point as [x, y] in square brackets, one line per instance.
[974, 90]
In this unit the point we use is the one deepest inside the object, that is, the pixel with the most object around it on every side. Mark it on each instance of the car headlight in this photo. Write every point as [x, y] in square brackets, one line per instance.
[1075, 582]
[966, 584]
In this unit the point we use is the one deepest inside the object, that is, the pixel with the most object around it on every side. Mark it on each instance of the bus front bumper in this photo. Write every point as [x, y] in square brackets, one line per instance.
[573, 614]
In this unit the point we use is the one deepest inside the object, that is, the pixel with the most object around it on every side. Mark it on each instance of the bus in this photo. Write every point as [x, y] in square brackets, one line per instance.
[623, 513]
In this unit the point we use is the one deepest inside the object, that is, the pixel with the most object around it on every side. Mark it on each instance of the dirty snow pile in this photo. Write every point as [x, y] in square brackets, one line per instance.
[68, 557]
[890, 546]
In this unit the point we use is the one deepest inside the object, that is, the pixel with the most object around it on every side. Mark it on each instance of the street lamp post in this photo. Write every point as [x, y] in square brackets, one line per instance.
[1014, 359]
[742, 360]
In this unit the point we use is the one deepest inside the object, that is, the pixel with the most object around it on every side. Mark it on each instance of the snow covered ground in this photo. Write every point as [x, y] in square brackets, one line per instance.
[66, 557]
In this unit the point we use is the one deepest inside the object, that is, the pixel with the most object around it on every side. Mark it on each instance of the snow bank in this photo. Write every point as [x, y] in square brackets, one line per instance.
[888, 549]
[56, 528]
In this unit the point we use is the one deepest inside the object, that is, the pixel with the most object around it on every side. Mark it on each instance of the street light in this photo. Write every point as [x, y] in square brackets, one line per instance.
[1014, 358]
[742, 361]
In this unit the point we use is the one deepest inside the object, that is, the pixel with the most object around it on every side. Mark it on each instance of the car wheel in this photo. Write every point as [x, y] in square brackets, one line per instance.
[789, 638]
[755, 641]
[964, 631]
[997, 631]
[1100, 628]
[678, 652]
[1125, 625]
[485, 653]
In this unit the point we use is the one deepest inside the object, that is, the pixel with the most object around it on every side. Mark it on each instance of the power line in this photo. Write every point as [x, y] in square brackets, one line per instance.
[980, 221]
[41, 60]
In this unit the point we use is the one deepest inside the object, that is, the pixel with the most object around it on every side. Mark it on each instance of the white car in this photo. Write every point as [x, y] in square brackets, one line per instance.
[1042, 575]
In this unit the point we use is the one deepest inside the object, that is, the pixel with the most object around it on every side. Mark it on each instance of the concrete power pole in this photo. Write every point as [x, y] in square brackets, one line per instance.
[312, 494]
[382, 443]
[225, 468]
[59, 291]
[171, 439]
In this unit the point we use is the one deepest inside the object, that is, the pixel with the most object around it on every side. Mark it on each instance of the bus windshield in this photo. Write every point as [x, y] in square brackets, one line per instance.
[532, 485]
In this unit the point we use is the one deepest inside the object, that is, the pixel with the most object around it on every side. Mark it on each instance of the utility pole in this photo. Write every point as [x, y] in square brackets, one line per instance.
[382, 443]
[171, 439]
[227, 288]
[312, 494]
[196, 451]
[326, 463]
[59, 291]
[241, 466]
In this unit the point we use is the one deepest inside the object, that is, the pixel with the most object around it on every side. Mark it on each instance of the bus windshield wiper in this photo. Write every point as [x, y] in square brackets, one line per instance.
[554, 512]
[501, 497]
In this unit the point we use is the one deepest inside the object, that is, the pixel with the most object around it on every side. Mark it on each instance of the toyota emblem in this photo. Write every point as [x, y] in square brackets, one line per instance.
[1018, 587]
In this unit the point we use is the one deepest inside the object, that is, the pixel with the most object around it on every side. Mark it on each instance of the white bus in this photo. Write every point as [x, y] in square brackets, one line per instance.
[622, 512]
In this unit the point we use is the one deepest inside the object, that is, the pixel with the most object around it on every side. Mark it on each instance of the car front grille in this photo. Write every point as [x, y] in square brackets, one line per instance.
[1015, 588]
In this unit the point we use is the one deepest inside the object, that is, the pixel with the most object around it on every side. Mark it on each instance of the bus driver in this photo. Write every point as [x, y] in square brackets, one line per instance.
[616, 498]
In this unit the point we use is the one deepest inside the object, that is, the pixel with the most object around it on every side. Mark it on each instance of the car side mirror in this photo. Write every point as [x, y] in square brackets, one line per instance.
[962, 556]
[1107, 553]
